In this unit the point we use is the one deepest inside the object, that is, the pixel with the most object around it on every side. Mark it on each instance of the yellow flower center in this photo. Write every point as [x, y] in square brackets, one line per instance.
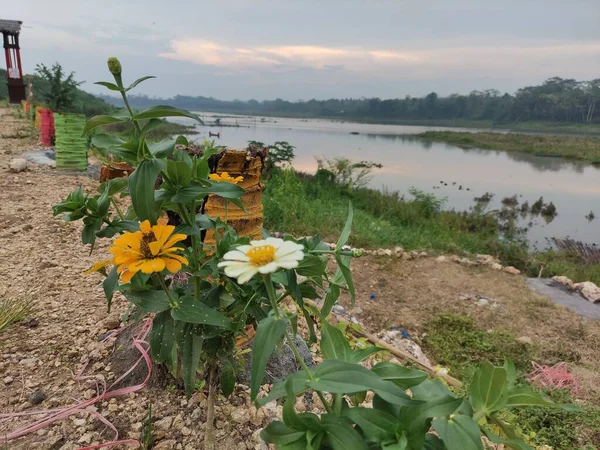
[147, 238]
[261, 255]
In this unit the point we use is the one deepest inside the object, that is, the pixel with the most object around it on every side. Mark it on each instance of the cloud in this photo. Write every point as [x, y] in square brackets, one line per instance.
[531, 58]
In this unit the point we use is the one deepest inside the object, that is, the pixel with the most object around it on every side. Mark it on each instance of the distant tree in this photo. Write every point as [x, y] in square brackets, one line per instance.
[58, 89]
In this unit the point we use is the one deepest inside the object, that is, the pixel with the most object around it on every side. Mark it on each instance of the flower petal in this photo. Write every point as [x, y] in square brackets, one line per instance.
[236, 255]
[236, 269]
[127, 276]
[268, 268]
[246, 276]
[172, 265]
[275, 242]
[288, 247]
[145, 226]
[175, 239]
[292, 264]
[154, 247]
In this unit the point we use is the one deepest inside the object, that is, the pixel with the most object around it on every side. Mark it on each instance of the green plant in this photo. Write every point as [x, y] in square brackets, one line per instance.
[59, 91]
[147, 430]
[13, 310]
[280, 154]
[345, 172]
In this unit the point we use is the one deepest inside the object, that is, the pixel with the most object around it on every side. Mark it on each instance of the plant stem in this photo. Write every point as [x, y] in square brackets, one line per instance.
[337, 403]
[302, 363]
[209, 434]
[161, 280]
[116, 205]
[271, 294]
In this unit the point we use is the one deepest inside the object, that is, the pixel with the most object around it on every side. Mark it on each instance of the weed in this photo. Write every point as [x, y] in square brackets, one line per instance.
[12, 311]
[147, 435]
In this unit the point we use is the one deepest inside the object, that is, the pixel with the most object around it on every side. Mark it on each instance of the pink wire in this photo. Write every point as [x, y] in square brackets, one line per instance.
[553, 377]
[138, 341]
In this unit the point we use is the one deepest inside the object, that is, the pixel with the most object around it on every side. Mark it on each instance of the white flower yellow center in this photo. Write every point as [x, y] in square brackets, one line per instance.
[261, 255]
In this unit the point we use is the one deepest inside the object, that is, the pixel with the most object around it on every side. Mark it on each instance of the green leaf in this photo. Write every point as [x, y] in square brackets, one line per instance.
[339, 377]
[227, 379]
[149, 301]
[403, 377]
[344, 266]
[110, 285]
[430, 389]
[138, 81]
[432, 442]
[280, 434]
[415, 419]
[488, 390]
[179, 173]
[347, 229]
[361, 354]
[114, 186]
[519, 398]
[515, 443]
[511, 372]
[98, 121]
[165, 111]
[188, 309]
[88, 233]
[190, 349]
[223, 189]
[333, 343]
[141, 189]
[111, 86]
[269, 334]
[162, 149]
[458, 432]
[298, 382]
[162, 337]
[333, 294]
[377, 426]
[312, 266]
[343, 437]
[106, 141]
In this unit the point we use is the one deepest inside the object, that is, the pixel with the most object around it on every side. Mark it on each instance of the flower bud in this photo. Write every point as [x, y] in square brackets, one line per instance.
[114, 66]
[357, 252]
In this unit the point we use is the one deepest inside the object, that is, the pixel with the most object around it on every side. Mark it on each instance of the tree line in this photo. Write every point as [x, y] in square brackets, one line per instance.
[556, 99]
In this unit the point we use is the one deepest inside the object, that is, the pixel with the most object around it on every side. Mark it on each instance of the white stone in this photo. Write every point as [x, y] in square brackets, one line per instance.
[512, 270]
[496, 266]
[8, 380]
[18, 165]
[563, 280]
[589, 290]
[441, 258]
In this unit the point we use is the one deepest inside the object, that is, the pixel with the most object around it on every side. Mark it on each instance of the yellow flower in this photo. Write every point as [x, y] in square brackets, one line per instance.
[152, 249]
[224, 176]
[98, 266]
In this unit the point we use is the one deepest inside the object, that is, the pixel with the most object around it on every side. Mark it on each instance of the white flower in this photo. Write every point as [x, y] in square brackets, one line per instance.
[264, 256]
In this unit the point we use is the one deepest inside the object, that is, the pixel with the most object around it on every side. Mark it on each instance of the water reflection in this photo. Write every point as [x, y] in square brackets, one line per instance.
[574, 187]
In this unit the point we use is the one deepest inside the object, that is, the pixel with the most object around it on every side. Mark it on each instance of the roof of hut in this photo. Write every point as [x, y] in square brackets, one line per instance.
[10, 26]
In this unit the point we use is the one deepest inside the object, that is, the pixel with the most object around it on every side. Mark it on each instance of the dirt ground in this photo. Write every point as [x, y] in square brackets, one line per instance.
[408, 293]
[42, 259]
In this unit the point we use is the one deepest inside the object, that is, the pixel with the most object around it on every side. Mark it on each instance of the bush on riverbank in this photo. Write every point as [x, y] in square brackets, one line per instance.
[585, 148]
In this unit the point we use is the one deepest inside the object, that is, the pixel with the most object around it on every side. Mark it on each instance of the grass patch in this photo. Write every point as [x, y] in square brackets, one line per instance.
[585, 148]
[569, 264]
[13, 311]
[301, 204]
[558, 428]
[457, 343]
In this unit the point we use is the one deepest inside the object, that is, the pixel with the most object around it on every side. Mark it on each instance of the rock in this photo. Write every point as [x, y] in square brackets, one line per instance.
[525, 340]
[512, 270]
[398, 251]
[589, 290]
[423, 255]
[86, 438]
[30, 362]
[8, 380]
[168, 444]
[339, 310]
[482, 302]
[387, 252]
[37, 397]
[240, 415]
[496, 266]
[186, 431]
[79, 422]
[54, 443]
[564, 281]
[441, 259]
[163, 424]
[381, 252]
[18, 165]
[281, 363]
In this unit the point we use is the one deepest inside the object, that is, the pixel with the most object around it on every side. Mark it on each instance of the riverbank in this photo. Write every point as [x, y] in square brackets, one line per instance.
[303, 204]
[574, 147]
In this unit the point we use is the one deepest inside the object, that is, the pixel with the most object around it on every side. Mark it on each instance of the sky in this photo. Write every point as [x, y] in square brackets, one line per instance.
[303, 49]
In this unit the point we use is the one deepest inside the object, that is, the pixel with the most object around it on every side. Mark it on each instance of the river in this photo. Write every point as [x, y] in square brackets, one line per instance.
[445, 170]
